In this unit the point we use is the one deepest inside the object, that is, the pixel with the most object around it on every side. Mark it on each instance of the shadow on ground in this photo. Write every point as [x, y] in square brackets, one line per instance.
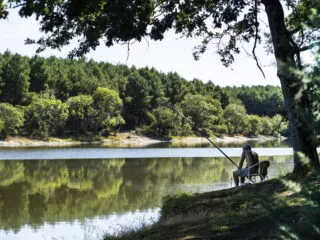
[285, 208]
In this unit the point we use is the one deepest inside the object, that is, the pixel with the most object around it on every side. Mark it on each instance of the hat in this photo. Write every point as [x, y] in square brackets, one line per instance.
[246, 147]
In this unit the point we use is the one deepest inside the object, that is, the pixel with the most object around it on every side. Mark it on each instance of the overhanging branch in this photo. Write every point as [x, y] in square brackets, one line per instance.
[294, 31]
[310, 46]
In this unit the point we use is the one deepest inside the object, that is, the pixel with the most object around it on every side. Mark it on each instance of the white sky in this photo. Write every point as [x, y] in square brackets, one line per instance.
[170, 55]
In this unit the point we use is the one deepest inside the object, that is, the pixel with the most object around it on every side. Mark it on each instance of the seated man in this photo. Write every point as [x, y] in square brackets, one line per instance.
[251, 159]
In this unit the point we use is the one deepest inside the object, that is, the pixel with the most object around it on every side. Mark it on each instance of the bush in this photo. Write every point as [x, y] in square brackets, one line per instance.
[11, 119]
[220, 129]
[204, 111]
[266, 126]
[81, 113]
[254, 124]
[278, 125]
[164, 124]
[46, 117]
[97, 114]
[235, 116]
[108, 105]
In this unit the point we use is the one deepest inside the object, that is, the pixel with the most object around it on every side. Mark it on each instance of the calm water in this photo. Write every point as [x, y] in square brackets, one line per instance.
[85, 192]
[111, 153]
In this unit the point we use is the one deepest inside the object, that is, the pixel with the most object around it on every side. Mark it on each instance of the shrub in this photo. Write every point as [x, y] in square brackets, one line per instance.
[81, 113]
[266, 126]
[220, 129]
[11, 119]
[108, 105]
[46, 117]
[164, 124]
[278, 125]
[254, 124]
[235, 116]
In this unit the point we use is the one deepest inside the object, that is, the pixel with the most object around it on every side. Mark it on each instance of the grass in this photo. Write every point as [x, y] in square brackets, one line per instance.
[284, 208]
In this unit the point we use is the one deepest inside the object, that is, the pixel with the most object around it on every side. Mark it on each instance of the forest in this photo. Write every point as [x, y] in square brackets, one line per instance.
[44, 97]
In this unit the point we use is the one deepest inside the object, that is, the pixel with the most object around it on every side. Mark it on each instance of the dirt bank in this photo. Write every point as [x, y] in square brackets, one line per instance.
[126, 139]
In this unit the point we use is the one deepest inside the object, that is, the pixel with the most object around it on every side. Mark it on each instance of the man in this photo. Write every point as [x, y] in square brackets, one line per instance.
[252, 158]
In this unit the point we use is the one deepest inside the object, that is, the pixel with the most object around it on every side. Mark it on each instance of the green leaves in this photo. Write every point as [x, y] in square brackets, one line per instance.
[123, 21]
[278, 125]
[109, 107]
[235, 116]
[81, 113]
[3, 11]
[91, 20]
[101, 98]
[98, 114]
[11, 119]
[203, 111]
[255, 124]
[46, 117]
[14, 78]
[165, 124]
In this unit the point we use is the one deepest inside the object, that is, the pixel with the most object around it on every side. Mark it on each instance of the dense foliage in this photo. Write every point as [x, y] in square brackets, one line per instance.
[100, 97]
[11, 119]
[45, 117]
[51, 96]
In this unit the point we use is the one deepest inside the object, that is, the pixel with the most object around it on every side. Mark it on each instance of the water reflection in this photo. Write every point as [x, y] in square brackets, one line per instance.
[36, 192]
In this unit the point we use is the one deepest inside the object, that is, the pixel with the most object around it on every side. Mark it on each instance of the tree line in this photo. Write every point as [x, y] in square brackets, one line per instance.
[56, 97]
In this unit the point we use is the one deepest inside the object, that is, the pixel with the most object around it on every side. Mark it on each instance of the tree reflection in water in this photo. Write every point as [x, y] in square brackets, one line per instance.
[37, 191]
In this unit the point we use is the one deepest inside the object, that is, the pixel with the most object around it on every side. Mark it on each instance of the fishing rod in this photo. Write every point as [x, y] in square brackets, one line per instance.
[173, 108]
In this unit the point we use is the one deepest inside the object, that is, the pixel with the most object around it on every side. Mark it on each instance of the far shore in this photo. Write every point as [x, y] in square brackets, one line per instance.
[126, 139]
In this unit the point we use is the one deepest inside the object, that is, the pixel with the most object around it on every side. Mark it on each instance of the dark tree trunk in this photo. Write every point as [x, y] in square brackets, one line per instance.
[298, 109]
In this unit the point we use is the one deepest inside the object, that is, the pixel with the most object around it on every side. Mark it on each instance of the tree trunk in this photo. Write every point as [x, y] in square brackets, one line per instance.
[298, 108]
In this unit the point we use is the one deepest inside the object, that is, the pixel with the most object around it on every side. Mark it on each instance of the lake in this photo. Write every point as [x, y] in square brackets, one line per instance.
[84, 192]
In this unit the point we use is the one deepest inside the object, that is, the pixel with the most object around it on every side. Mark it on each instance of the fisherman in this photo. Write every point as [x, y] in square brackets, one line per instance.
[252, 158]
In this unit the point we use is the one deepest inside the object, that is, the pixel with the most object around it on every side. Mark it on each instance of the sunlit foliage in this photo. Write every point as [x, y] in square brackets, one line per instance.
[103, 98]
[11, 119]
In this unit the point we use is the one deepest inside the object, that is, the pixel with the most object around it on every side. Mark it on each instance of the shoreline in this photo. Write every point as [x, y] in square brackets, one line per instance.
[256, 209]
[124, 140]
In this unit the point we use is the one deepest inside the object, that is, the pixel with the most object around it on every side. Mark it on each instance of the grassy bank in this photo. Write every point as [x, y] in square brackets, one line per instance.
[284, 208]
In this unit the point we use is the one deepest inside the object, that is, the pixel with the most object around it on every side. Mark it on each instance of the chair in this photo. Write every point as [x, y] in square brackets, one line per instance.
[262, 172]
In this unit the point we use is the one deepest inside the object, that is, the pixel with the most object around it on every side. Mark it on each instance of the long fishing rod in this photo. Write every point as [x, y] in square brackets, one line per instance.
[173, 108]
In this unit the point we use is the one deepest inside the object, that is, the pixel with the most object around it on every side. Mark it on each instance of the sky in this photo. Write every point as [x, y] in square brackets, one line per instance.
[173, 54]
